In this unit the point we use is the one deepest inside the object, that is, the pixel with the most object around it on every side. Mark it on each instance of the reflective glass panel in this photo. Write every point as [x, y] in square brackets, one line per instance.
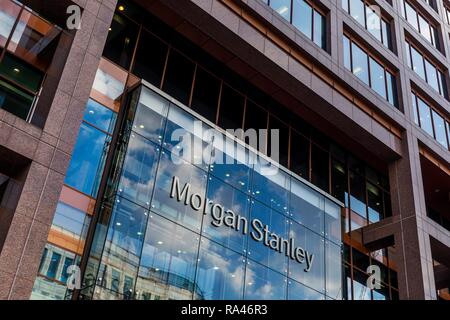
[262, 283]
[168, 262]
[138, 172]
[216, 227]
[220, 273]
[307, 207]
[171, 166]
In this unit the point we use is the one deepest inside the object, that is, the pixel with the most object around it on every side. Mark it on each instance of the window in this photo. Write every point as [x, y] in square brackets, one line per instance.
[150, 58]
[426, 69]
[231, 110]
[19, 85]
[420, 23]
[53, 265]
[121, 41]
[305, 17]
[90, 151]
[359, 63]
[205, 98]
[283, 7]
[370, 19]
[430, 121]
[179, 76]
[371, 72]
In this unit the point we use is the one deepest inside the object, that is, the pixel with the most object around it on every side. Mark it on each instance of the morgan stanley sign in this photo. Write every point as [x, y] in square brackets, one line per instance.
[258, 230]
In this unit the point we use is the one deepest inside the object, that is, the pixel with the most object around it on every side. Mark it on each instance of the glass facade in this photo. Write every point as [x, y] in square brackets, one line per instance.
[151, 246]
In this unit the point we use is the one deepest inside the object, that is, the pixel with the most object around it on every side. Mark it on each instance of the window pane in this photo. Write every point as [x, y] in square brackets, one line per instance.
[333, 227]
[442, 84]
[67, 262]
[377, 80]
[168, 261]
[347, 56]
[439, 129]
[302, 17]
[170, 166]
[179, 77]
[87, 160]
[375, 203]
[320, 170]
[206, 95]
[231, 109]
[220, 273]
[99, 116]
[357, 11]
[300, 155]
[14, 100]
[138, 172]
[414, 107]
[297, 291]
[338, 180]
[234, 200]
[373, 23]
[360, 68]
[8, 15]
[271, 186]
[150, 59]
[261, 283]
[278, 147]
[386, 33]
[150, 116]
[417, 63]
[53, 266]
[411, 16]
[432, 78]
[315, 277]
[358, 194]
[257, 250]
[283, 7]
[333, 270]
[33, 39]
[319, 30]
[408, 54]
[425, 117]
[392, 89]
[307, 207]
[256, 118]
[21, 73]
[425, 28]
[121, 41]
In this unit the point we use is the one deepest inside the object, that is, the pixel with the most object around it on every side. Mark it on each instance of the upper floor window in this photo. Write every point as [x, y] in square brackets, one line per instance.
[426, 69]
[305, 16]
[420, 23]
[432, 4]
[370, 71]
[369, 16]
[26, 51]
[431, 121]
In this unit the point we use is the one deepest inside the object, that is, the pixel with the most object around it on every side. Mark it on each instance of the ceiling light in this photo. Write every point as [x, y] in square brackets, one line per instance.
[160, 242]
[121, 8]
[17, 70]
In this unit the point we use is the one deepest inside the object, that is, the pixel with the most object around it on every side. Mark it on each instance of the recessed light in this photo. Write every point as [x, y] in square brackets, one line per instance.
[160, 242]
[121, 8]
[17, 70]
